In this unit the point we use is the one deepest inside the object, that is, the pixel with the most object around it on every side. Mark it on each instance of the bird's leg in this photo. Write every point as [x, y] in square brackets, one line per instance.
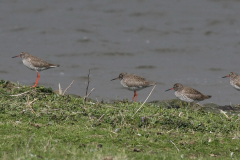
[38, 76]
[136, 98]
[135, 95]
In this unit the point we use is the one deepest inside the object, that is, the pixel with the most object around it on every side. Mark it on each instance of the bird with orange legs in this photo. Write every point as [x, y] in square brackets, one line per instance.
[35, 63]
[133, 83]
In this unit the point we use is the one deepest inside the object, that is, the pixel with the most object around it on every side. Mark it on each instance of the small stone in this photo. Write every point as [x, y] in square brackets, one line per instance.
[117, 130]
[136, 150]
[99, 145]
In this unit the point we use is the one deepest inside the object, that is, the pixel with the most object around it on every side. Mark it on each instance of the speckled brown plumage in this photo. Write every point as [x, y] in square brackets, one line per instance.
[133, 82]
[188, 94]
[35, 63]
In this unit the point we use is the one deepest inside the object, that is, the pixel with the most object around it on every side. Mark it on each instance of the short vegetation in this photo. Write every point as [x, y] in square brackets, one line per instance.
[38, 123]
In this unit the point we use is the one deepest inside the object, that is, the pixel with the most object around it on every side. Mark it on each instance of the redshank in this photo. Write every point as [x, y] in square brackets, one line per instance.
[35, 63]
[133, 83]
[234, 80]
[188, 94]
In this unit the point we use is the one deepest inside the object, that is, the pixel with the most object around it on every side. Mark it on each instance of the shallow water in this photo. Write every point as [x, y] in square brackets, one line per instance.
[190, 42]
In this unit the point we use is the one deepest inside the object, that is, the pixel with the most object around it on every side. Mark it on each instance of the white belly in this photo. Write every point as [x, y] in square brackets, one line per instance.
[132, 88]
[28, 64]
[183, 97]
[235, 86]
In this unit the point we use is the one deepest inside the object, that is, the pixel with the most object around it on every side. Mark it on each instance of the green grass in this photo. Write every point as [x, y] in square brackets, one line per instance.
[66, 127]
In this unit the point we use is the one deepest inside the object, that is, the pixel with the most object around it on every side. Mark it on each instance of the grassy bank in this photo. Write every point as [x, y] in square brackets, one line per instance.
[41, 124]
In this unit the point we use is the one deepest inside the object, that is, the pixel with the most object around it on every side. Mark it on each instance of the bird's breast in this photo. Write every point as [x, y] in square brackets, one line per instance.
[183, 97]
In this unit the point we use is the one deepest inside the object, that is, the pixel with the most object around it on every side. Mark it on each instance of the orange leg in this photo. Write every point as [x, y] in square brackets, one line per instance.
[38, 76]
[135, 96]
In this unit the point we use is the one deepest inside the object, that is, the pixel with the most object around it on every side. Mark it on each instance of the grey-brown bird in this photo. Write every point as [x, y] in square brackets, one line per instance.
[188, 94]
[133, 83]
[234, 80]
[35, 63]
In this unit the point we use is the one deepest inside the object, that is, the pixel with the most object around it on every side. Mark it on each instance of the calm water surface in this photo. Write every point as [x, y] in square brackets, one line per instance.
[190, 42]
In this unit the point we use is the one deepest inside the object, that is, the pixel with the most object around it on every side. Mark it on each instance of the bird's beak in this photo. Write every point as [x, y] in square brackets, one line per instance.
[16, 56]
[225, 76]
[115, 78]
[169, 89]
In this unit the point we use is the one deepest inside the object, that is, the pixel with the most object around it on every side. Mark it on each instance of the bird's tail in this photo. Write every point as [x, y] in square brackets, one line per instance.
[208, 96]
[54, 65]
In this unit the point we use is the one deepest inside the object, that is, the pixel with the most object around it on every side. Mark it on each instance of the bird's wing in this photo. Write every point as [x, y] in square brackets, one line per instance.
[135, 81]
[194, 94]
